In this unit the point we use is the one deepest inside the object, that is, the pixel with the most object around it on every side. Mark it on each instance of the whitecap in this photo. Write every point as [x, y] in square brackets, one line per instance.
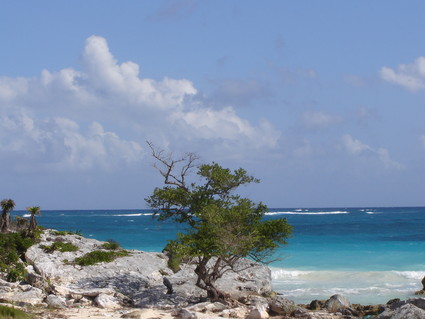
[133, 214]
[307, 213]
[26, 215]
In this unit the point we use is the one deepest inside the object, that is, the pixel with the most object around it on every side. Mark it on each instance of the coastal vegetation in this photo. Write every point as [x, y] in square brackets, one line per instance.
[7, 205]
[98, 256]
[59, 246]
[13, 248]
[222, 227]
[11, 312]
[33, 210]
[111, 245]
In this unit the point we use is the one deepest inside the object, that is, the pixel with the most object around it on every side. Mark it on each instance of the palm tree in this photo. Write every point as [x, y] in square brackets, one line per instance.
[33, 210]
[7, 206]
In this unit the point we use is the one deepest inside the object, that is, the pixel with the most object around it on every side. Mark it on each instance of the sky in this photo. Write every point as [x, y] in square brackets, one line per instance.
[323, 101]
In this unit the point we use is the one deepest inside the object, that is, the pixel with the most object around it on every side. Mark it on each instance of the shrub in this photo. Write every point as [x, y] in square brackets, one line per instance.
[111, 245]
[13, 247]
[60, 246]
[65, 232]
[17, 273]
[99, 256]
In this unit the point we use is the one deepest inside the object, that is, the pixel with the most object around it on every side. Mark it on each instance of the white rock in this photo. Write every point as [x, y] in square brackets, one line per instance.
[106, 301]
[259, 312]
[57, 302]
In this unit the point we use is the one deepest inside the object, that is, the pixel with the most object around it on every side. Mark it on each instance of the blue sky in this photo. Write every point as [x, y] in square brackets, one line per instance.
[324, 101]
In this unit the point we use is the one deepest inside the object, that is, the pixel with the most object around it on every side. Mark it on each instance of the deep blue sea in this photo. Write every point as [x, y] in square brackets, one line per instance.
[370, 255]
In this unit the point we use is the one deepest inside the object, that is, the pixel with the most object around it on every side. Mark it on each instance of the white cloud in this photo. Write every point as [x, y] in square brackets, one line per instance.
[59, 143]
[356, 147]
[75, 119]
[224, 124]
[410, 76]
[317, 120]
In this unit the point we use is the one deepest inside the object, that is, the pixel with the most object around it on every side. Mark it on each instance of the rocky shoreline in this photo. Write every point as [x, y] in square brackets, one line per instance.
[129, 286]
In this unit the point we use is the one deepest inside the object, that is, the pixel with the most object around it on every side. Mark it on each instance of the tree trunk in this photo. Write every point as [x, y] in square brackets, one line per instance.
[207, 280]
[33, 223]
[5, 222]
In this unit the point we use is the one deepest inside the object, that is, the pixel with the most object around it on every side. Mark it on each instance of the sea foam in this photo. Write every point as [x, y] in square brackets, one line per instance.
[297, 212]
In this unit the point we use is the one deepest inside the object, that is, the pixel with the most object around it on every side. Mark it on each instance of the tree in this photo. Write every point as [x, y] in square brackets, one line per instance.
[33, 210]
[7, 206]
[222, 227]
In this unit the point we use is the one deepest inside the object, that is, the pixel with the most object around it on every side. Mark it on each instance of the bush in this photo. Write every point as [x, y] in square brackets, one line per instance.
[99, 256]
[9, 312]
[60, 246]
[17, 273]
[13, 247]
[111, 245]
[65, 232]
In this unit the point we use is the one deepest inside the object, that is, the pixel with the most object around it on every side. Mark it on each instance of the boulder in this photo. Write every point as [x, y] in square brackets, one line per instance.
[23, 296]
[106, 301]
[238, 312]
[56, 302]
[258, 312]
[423, 283]
[407, 311]
[337, 303]
[281, 306]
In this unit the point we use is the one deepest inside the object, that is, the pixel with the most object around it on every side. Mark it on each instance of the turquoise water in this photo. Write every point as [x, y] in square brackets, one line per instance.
[370, 255]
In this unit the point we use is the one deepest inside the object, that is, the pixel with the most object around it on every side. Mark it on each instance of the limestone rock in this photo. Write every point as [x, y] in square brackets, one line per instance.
[106, 301]
[337, 303]
[23, 296]
[282, 306]
[258, 312]
[238, 312]
[207, 307]
[409, 311]
[56, 302]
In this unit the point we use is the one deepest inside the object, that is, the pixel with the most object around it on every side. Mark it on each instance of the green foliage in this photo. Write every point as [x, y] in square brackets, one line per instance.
[65, 232]
[17, 273]
[13, 247]
[223, 227]
[60, 246]
[99, 256]
[10, 312]
[111, 245]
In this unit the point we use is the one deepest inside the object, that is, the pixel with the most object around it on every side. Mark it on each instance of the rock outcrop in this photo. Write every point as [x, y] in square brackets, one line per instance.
[137, 279]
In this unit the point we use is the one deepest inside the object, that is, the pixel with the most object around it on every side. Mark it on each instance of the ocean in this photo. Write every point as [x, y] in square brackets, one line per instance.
[369, 255]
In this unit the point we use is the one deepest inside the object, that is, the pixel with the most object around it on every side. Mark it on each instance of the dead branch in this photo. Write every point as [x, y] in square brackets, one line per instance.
[187, 162]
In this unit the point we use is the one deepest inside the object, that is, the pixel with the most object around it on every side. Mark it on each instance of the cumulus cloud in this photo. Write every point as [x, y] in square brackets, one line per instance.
[318, 120]
[60, 143]
[356, 147]
[410, 76]
[80, 119]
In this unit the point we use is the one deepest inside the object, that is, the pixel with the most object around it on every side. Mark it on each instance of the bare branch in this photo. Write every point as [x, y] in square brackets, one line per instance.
[169, 166]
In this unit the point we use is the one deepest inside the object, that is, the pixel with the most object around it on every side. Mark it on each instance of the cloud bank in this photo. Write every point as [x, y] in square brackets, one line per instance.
[100, 116]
